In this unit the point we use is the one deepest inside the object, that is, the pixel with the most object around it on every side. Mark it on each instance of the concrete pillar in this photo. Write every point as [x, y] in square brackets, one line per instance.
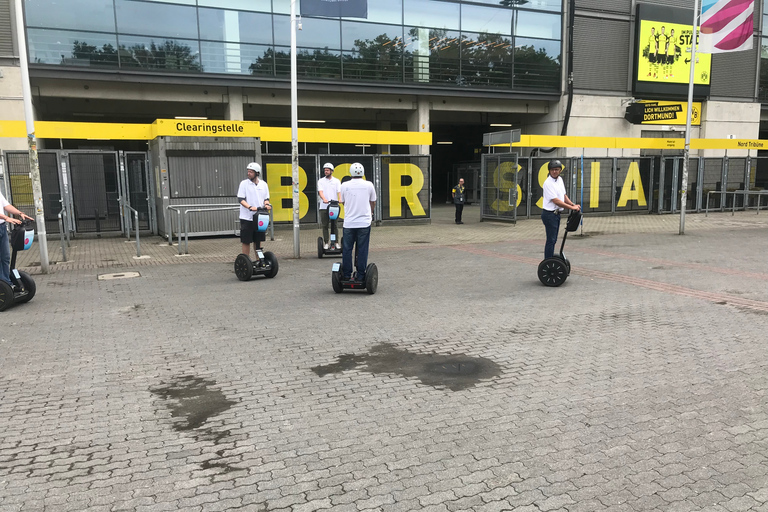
[418, 121]
[235, 104]
[11, 105]
[383, 149]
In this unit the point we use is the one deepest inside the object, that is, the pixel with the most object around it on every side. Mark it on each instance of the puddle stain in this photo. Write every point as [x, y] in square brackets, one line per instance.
[193, 401]
[455, 372]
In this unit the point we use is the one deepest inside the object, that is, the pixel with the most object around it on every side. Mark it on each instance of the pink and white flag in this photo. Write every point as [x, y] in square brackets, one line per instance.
[726, 25]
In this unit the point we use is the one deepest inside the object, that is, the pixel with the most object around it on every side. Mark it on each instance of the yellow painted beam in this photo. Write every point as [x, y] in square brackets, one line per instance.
[326, 135]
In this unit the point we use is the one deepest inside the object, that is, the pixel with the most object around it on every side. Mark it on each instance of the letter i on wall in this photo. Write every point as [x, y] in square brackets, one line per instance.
[594, 186]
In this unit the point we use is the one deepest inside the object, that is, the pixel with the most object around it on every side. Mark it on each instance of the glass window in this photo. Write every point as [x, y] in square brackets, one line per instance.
[151, 53]
[282, 28]
[242, 5]
[319, 33]
[431, 13]
[283, 7]
[486, 60]
[96, 15]
[537, 64]
[79, 49]
[537, 24]
[355, 35]
[486, 19]
[544, 5]
[180, 2]
[235, 26]
[234, 58]
[432, 55]
[155, 19]
[390, 11]
[763, 89]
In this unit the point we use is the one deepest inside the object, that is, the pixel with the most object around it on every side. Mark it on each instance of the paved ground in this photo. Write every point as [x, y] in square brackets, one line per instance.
[462, 384]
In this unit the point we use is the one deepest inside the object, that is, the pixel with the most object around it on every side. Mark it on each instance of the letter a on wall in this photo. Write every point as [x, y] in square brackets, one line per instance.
[633, 187]
[335, 8]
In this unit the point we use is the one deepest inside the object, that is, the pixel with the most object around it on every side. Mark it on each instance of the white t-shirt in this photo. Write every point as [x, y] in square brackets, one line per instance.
[330, 188]
[254, 194]
[553, 189]
[357, 195]
[3, 203]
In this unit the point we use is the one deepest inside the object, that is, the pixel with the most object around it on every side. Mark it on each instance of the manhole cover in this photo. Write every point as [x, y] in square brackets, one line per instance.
[120, 275]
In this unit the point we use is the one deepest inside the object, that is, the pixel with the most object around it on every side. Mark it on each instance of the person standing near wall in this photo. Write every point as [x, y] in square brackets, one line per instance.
[5, 248]
[252, 194]
[459, 197]
[328, 189]
[555, 201]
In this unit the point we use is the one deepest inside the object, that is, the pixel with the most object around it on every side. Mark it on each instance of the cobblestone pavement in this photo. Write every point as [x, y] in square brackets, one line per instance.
[462, 384]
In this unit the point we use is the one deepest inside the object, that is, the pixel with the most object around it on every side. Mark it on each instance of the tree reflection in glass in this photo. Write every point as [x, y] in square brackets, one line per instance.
[167, 55]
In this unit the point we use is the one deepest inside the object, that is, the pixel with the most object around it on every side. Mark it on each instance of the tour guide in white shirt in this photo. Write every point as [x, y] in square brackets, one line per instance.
[555, 201]
[359, 199]
[252, 194]
[328, 190]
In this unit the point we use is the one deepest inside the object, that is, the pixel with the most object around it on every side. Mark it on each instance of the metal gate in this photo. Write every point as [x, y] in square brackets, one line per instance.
[19, 185]
[136, 189]
[501, 192]
[86, 186]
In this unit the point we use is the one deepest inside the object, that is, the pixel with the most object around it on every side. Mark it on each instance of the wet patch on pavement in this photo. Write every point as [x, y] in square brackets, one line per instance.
[455, 371]
[192, 402]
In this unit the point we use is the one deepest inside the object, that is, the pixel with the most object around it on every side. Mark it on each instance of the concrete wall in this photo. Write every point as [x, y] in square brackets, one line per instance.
[11, 104]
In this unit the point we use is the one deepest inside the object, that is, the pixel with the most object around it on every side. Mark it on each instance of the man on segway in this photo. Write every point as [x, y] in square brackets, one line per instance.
[252, 194]
[5, 248]
[359, 199]
[328, 189]
[555, 201]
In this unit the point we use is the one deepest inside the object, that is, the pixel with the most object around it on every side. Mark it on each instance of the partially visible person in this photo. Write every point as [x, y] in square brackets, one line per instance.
[5, 246]
[459, 198]
[328, 189]
[253, 193]
[359, 199]
[555, 201]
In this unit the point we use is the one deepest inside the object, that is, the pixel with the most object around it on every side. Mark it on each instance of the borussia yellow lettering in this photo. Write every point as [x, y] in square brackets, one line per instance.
[633, 187]
[397, 191]
[504, 180]
[594, 186]
[279, 192]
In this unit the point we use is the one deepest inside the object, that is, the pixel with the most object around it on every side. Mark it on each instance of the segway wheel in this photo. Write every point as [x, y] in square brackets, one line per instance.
[243, 267]
[320, 250]
[6, 296]
[552, 272]
[336, 282]
[568, 264]
[371, 278]
[29, 286]
[272, 261]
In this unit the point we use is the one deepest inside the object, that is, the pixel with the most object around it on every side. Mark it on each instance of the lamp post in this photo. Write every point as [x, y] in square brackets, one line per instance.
[34, 167]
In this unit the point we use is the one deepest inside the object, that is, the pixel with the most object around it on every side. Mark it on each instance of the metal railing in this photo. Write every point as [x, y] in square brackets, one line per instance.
[63, 228]
[182, 211]
[136, 227]
[745, 195]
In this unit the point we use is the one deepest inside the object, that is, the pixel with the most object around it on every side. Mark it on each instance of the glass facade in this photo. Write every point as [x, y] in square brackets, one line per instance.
[496, 44]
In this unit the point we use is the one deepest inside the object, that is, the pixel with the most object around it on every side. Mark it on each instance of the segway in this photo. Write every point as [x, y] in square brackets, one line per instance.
[555, 270]
[23, 286]
[371, 278]
[334, 248]
[266, 264]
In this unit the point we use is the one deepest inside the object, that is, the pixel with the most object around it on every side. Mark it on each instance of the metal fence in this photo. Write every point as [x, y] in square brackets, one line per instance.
[623, 185]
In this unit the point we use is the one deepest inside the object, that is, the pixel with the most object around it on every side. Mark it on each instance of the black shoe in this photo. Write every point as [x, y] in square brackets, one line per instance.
[459, 222]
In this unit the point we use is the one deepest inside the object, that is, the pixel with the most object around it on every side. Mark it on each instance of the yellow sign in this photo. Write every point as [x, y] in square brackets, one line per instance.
[669, 112]
[205, 128]
[665, 54]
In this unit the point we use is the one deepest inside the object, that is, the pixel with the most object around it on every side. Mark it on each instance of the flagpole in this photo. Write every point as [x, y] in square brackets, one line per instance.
[294, 136]
[687, 151]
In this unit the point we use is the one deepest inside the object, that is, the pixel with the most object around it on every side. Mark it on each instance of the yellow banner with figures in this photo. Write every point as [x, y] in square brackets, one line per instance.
[665, 54]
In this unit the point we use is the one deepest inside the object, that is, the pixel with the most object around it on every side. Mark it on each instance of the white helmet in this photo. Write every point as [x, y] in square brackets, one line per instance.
[329, 165]
[253, 166]
[356, 170]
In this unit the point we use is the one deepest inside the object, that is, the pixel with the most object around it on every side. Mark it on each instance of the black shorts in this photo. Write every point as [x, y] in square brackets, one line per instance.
[249, 234]
[652, 58]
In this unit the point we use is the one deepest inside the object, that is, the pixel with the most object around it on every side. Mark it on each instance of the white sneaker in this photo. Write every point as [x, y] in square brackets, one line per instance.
[325, 246]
